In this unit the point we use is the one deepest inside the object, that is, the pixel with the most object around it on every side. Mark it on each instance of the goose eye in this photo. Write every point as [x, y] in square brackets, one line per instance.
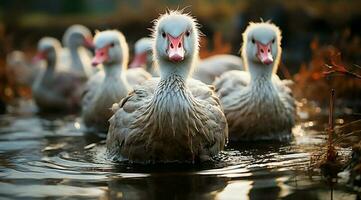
[273, 41]
[112, 44]
[163, 34]
[253, 41]
[188, 33]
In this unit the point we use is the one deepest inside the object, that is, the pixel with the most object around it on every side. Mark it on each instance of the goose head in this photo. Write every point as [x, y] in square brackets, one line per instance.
[76, 36]
[142, 53]
[47, 50]
[110, 49]
[176, 43]
[262, 47]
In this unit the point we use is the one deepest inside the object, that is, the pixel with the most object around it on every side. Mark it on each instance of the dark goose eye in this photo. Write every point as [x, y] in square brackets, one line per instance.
[253, 41]
[112, 44]
[188, 33]
[164, 35]
[273, 41]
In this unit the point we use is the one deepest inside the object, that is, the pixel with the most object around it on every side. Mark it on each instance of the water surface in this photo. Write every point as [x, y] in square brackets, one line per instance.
[52, 157]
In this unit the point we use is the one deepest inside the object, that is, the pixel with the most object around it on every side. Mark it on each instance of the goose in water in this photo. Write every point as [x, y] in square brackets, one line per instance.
[258, 105]
[54, 89]
[172, 118]
[112, 83]
[77, 40]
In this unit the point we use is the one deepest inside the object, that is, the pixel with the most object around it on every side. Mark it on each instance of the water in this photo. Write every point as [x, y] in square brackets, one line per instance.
[51, 157]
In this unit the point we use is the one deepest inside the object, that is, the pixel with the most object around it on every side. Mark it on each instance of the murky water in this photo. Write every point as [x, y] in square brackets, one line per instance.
[52, 157]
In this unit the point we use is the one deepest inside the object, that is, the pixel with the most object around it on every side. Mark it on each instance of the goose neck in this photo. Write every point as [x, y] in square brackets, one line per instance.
[76, 59]
[51, 61]
[113, 70]
[170, 69]
[171, 93]
[260, 72]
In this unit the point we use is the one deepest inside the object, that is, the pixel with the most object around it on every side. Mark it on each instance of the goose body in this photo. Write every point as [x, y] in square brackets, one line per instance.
[210, 68]
[257, 104]
[171, 118]
[111, 84]
[54, 89]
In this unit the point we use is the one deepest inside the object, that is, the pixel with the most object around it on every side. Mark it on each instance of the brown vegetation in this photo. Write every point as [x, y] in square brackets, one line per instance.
[327, 62]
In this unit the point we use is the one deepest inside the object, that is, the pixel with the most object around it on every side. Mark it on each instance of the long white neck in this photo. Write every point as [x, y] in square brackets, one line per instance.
[49, 72]
[182, 69]
[172, 86]
[260, 72]
[114, 70]
[51, 61]
[76, 59]
[149, 62]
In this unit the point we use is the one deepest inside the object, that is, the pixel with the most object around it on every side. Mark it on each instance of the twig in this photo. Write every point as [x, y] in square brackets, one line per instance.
[331, 117]
[358, 66]
[341, 70]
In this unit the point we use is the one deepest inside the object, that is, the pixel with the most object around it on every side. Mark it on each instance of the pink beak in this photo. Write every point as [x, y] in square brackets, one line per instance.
[41, 55]
[139, 60]
[88, 42]
[264, 53]
[101, 55]
[175, 48]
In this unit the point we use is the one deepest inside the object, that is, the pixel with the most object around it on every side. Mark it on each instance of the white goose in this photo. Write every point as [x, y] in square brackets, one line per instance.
[77, 40]
[53, 89]
[109, 85]
[257, 104]
[143, 56]
[174, 118]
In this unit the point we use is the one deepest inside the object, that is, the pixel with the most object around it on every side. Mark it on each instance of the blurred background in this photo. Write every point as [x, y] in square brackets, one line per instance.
[314, 32]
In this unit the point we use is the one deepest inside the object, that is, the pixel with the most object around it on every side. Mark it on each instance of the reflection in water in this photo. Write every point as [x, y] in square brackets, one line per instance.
[167, 186]
[261, 176]
[42, 157]
[46, 190]
[236, 190]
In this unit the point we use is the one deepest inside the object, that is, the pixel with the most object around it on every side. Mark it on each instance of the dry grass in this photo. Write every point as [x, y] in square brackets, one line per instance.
[328, 68]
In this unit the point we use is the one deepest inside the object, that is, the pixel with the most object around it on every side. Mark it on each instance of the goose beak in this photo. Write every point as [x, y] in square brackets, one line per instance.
[264, 53]
[88, 42]
[139, 60]
[41, 55]
[175, 48]
[101, 55]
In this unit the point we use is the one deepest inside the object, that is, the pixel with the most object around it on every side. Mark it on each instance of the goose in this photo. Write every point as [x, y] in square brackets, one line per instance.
[172, 118]
[208, 69]
[143, 56]
[111, 84]
[257, 104]
[77, 40]
[55, 90]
